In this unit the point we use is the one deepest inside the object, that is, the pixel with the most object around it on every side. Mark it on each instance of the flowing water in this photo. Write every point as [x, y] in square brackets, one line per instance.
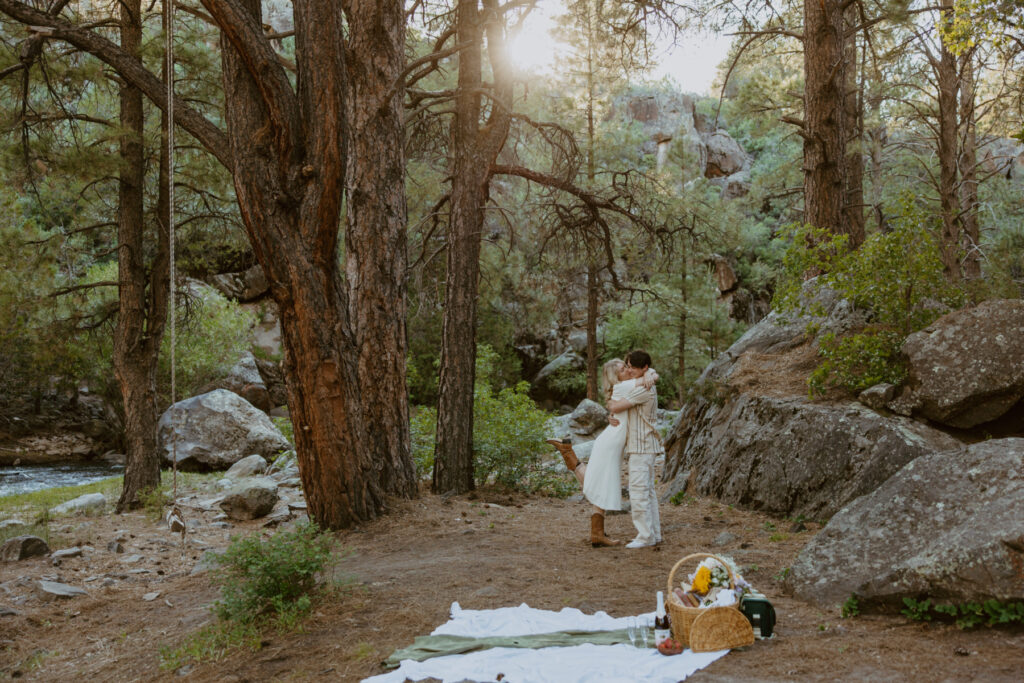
[26, 478]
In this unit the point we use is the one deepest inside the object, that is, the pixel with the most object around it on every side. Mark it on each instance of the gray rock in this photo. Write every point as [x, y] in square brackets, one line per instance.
[588, 418]
[242, 286]
[67, 553]
[22, 548]
[966, 368]
[115, 547]
[90, 503]
[150, 597]
[11, 523]
[7, 612]
[786, 456]
[216, 430]
[247, 467]
[725, 155]
[244, 379]
[251, 499]
[568, 359]
[947, 526]
[49, 590]
[878, 396]
[292, 483]
[132, 559]
[724, 538]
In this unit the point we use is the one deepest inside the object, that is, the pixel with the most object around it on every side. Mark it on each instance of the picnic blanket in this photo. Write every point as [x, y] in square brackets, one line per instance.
[527, 645]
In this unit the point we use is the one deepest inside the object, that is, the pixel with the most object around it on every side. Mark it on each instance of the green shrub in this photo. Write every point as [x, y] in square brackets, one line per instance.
[896, 276]
[275, 576]
[851, 608]
[967, 614]
[508, 431]
[568, 380]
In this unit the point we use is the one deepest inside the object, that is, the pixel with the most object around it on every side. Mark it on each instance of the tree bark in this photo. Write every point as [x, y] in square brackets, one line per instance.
[376, 257]
[969, 169]
[289, 150]
[142, 305]
[949, 200]
[853, 113]
[475, 148]
[825, 132]
[683, 319]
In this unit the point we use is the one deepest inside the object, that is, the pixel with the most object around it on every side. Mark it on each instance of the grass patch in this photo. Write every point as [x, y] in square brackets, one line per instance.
[211, 644]
[266, 582]
[22, 505]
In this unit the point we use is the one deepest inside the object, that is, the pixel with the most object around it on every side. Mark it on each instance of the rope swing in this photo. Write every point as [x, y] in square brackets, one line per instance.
[175, 518]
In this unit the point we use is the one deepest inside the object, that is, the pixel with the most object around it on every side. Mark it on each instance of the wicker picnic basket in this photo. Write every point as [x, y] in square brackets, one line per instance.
[707, 629]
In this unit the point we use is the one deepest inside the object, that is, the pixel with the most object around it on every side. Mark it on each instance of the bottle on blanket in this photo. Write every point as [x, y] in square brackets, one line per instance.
[662, 628]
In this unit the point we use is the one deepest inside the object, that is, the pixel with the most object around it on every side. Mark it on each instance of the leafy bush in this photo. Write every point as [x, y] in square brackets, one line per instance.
[568, 380]
[508, 430]
[896, 276]
[967, 614]
[273, 576]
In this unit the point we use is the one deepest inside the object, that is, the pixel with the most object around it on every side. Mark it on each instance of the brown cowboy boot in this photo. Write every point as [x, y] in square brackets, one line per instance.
[597, 537]
[564, 447]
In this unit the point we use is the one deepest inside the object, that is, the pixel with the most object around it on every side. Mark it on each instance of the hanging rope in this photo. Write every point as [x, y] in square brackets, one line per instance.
[169, 66]
[175, 518]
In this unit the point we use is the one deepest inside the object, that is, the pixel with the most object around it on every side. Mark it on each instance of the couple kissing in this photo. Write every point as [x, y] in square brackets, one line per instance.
[631, 398]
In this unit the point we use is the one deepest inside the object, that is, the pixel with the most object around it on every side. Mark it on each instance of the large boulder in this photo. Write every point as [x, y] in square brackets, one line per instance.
[788, 456]
[966, 368]
[250, 499]
[947, 526]
[90, 503]
[244, 378]
[244, 286]
[215, 430]
[749, 435]
[588, 418]
[250, 466]
[22, 548]
[725, 155]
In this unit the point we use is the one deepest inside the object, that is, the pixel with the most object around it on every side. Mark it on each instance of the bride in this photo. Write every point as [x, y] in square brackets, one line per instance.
[601, 478]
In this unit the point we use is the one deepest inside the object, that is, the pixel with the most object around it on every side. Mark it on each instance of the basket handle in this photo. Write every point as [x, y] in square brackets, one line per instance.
[672, 574]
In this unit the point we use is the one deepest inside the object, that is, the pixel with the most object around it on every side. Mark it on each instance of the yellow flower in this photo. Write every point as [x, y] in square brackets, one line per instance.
[702, 582]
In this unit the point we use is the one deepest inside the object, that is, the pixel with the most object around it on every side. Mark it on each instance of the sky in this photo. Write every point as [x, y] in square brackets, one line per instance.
[692, 63]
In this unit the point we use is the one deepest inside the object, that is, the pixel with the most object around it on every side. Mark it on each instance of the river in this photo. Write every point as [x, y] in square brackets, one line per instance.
[26, 478]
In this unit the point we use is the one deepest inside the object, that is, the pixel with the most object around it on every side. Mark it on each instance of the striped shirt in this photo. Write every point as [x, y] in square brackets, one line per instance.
[641, 434]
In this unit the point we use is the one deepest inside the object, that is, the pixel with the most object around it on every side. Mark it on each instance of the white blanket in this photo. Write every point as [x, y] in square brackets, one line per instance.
[578, 664]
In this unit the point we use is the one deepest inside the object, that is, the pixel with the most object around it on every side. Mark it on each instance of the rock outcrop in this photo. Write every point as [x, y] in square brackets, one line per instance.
[244, 378]
[787, 456]
[588, 419]
[215, 430]
[966, 368]
[751, 437]
[948, 526]
[244, 286]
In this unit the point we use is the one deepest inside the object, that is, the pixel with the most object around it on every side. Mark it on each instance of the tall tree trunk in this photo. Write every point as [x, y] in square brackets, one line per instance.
[289, 150]
[853, 114]
[948, 86]
[593, 289]
[878, 136]
[141, 309]
[683, 316]
[474, 148]
[592, 270]
[969, 169]
[824, 102]
[375, 243]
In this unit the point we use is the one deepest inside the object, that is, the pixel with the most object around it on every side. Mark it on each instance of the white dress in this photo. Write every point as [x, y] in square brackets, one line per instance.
[602, 482]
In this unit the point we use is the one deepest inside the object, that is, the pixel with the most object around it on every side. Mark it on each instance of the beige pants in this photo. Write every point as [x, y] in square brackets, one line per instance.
[643, 502]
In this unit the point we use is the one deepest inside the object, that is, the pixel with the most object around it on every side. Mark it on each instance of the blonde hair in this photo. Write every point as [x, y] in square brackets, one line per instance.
[610, 377]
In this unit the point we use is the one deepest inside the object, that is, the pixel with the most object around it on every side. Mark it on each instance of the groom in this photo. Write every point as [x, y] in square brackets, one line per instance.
[643, 445]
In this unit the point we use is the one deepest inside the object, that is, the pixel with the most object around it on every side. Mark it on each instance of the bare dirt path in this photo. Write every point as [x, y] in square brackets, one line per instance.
[484, 551]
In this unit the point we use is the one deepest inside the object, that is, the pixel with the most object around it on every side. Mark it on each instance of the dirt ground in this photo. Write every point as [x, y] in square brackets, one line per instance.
[483, 550]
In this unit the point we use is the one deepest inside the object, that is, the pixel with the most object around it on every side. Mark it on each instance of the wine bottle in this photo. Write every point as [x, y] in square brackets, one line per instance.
[662, 628]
